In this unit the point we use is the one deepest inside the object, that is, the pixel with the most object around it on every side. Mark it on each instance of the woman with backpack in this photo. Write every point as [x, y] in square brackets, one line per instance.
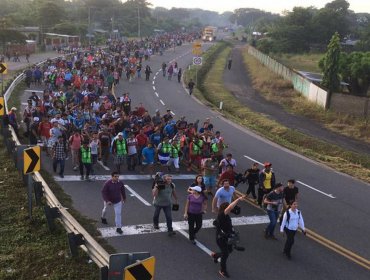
[292, 219]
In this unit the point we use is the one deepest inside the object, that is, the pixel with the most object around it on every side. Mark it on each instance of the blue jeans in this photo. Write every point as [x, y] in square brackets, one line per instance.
[273, 216]
[167, 212]
[55, 164]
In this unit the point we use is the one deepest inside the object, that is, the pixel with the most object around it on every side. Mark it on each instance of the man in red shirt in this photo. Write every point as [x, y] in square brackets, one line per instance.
[229, 175]
[142, 141]
[44, 132]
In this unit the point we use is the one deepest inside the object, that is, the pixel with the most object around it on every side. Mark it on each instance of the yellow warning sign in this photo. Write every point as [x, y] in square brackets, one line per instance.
[31, 160]
[142, 270]
[3, 68]
[2, 107]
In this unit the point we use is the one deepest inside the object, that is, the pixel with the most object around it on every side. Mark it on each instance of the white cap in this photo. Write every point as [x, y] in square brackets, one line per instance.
[120, 134]
[197, 189]
[36, 119]
[13, 109]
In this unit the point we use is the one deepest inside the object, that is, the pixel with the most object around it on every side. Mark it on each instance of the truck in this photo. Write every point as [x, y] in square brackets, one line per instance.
[209, 33]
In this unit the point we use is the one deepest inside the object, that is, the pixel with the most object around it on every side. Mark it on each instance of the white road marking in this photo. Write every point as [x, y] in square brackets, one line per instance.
[153, 87]
[153, 82]
[300, 182]
[312, 188]
[197, 243]
[102, 165]
[107, 232]
[172, 113]
[253, 160]
[139, 197]
[72, 178]
[160, 100]
[154, 78]
[156, 93]
[31, 90]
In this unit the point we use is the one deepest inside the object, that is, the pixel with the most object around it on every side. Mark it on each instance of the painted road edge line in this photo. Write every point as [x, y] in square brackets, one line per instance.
[102, 165]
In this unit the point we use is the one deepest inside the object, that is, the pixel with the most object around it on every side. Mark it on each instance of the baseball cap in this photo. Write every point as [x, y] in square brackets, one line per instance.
[120, 134]
[36, 119]
[196, 188]
[267, 164]
[157, 110]
[13, 109]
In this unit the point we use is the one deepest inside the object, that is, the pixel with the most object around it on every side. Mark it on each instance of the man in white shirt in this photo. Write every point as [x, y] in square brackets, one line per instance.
[292, 219]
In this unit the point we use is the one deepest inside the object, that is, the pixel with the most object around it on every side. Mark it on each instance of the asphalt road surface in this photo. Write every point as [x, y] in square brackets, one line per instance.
[334, 205]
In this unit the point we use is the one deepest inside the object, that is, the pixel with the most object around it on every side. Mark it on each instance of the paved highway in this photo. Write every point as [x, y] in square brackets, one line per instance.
[334, 205]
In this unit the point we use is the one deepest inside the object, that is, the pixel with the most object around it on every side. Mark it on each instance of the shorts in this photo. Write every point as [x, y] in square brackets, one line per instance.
[210, 181]
[164, 158]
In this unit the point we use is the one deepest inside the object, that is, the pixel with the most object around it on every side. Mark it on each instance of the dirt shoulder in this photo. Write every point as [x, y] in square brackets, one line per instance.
[238, 82]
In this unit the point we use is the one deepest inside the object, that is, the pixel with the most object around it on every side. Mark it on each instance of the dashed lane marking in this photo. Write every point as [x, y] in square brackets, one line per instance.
[300, 182]
[153, 87]
[107, 232]
[102, 165]
[74, 178]
[139, 197]
[160, 100]
[156, 93]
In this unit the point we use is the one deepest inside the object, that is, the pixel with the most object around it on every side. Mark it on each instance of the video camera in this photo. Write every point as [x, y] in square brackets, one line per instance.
[158, 180]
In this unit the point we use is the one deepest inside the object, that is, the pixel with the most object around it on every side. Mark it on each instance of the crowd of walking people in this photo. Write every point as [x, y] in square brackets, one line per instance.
[79, 115]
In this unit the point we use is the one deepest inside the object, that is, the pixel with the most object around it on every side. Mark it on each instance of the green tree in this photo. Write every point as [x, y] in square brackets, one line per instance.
[330, 66]
[355, 70]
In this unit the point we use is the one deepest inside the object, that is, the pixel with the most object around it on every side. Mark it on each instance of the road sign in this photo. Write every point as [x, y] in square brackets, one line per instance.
[197, 60]
[3, 68]
[2, 112]
[197, 51]
[32, 160]
[197, 45]
[142, 270]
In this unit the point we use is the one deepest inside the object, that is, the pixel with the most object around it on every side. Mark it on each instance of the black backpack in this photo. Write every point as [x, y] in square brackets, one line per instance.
[288, 215]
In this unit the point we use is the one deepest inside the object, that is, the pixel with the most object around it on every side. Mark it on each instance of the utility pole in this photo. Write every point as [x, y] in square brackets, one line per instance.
[138, 22]
[89, 31]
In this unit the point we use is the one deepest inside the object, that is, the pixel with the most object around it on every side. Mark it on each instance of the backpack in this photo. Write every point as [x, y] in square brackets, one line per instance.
[288, 215]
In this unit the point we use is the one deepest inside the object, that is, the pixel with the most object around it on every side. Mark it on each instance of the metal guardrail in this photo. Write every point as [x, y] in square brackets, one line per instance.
[95, 251]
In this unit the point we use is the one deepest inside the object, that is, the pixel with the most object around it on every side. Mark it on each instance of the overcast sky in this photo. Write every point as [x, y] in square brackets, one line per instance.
[274, 6]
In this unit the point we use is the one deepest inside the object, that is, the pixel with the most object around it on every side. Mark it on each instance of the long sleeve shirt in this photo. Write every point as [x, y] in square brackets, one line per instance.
[295, 221]
[113, 192]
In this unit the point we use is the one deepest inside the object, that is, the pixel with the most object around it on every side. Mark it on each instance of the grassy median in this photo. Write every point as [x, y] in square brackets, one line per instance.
[28, 250]
[213, 90]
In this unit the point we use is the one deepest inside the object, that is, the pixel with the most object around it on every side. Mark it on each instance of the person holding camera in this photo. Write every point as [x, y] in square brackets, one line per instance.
[195, 207]
[163, 192]
[224, 235]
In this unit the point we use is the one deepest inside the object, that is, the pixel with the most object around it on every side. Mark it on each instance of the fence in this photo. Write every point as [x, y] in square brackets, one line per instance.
[311, 91]
[75, 231]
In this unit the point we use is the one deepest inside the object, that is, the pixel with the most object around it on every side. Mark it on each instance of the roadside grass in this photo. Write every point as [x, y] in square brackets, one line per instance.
[278, 90]
[308, 62]
[66, 201]
[344, 161]
[28, 250]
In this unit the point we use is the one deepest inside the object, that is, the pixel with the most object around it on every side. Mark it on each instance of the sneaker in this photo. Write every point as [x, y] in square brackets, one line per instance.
[104, 221]
[215, 257]
[192, 241]
[171, 233]
[155, 226]
[82, 178]
[273, 237]
[75, 168]
[119, 230]
[224, 274]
